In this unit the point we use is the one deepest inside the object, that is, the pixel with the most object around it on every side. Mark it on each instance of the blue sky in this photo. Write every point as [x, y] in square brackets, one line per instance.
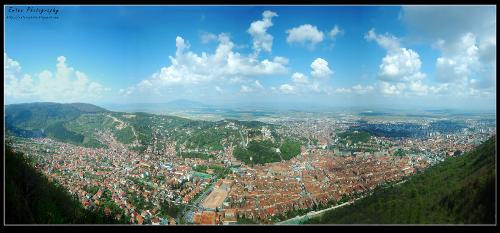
[331, 55]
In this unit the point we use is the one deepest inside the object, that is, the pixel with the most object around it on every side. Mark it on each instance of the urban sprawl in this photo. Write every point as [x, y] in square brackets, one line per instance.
[157, 186]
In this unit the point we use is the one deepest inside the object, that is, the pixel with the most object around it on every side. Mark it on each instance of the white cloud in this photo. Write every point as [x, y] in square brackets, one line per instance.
[16, 83]
[10, 65]
[357, 89]
[207, 37]
[224, 65]
[459, 60]
[387, 41]
[299, 78]
[64, 85]
[287, 88]
[281, 60]
[320, 68]
[335, 32]
[254, 86]
[246, 89]
[237, 80]
[343, 90]
[391, 89]
[418, 88]
[318, 84]
[400, 67]
[258, 30]
[401, 64]
[466, 39]
[128, 91]
[360, 89]
[304, 34]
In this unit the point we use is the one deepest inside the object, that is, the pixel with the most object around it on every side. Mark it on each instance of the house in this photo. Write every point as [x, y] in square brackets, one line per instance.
[230, 217]
[197, 218]
[139, 219]
[208, 217]
[155, 221]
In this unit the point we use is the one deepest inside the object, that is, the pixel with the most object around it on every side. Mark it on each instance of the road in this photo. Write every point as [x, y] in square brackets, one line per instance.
[123, 125]
[198, 200]
[302, 218]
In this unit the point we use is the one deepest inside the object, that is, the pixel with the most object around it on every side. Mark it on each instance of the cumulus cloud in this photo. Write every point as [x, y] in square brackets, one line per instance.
[387, 41]
[335, 32]
[459, 59]
[387, 88]
[400, 67]
[401, 64]
[287, 88]
[299, 78]
[224, 65]
[466, 39]
[258, 30]
[357, 89]
[64, 85]
[281, 60]
[466, 65]
[360, 89]
[306, 34]
[301, 84]
[250, 87]
[320, 68]
[16, 83]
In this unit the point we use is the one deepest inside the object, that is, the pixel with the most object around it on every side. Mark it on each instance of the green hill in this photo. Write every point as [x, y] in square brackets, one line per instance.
[45, 119]
[258, 152]
[460, 190]
[36, 117]
[31, 199]
[80, 123]
[87, 108]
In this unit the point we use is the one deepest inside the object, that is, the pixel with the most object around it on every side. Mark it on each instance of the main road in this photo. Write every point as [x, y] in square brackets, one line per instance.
[196, 202]
[305, 217]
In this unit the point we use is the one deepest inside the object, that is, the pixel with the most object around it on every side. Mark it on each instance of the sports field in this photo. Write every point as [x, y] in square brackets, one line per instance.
[215, 198]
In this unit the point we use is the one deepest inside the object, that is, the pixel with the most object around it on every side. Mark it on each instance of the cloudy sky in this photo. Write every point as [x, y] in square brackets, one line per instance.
[408, 56]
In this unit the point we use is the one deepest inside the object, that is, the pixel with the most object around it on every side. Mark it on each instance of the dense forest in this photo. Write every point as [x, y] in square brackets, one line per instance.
[355, 136]
[261, 152]
[460, 190]
[31, 199]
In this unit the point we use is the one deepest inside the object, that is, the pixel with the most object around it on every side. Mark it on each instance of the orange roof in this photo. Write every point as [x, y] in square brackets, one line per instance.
[208, 217]
[197, 218]
[139, 219]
